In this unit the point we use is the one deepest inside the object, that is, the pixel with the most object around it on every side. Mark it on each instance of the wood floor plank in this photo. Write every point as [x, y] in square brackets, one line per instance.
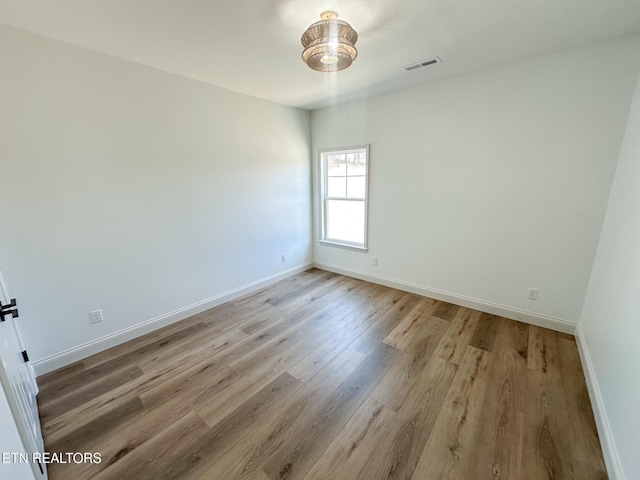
[217, 440]
[541, 457]
[313, 287]
[248, 381]
[370, 339]
[131, 434]
[401, 336]
[97, 367]
[256, 475]
[85, 414]
[157, 454]
[293, 283]
[279, 327]
[542, 349]
[194, 351]
[213, 379]
[485, 334]
[264, 364]
[315, 430]
[314, 329]
[287, 344]
[249, 453]
[87, 391]
[324, 376]
[145, 344]
[567, 382]
[314, 298]
[498, 451]
[446, 311]
[107, 418]
[451, 442]
[401, 445]
[256, 305]
[187, 391]
[310, 275]
[395, 385]
[353, 446]
[516, 335]
[352, 326]
[55, 383]
[379, 301]
[454, 342]
[253, 300]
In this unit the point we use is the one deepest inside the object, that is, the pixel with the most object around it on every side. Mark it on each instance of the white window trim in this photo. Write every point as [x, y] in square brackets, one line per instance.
[323, 186]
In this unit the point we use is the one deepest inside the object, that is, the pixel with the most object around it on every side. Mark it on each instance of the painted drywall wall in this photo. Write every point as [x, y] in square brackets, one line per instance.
[486, 185]
[136, 191]
[610, 324]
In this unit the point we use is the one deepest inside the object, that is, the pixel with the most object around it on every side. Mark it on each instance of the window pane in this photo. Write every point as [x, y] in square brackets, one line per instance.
[355, 187]
[357, 164]
[337, 187]
[343, 190]
[336, 165]
[345, 221]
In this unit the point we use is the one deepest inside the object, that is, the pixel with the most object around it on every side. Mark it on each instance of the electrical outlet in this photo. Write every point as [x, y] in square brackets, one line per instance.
[374, 261]
[95, 316]
[533, 294]
[284, 257]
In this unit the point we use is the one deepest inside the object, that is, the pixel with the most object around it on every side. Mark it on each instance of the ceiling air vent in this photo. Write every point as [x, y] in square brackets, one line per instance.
[424, 63]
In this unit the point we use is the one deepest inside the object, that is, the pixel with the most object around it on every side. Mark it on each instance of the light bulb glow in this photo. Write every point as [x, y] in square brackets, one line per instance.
[329, 59]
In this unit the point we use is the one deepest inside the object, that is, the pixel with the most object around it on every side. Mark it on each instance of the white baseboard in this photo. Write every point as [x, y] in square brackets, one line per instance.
[609, 450]
[545, 321]
[85, 350]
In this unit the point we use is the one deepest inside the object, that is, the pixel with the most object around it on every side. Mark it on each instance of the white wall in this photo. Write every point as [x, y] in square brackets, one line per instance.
[610, 324]
[485, 185]
[137, 191]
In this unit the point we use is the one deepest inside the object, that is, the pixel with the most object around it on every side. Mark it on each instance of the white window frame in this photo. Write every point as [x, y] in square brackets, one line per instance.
[322, 154]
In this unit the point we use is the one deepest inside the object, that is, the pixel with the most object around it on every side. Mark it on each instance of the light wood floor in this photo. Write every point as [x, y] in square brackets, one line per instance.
[322, 376]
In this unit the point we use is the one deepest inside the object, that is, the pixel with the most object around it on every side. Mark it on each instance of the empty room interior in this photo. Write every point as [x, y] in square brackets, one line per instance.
[320, 240]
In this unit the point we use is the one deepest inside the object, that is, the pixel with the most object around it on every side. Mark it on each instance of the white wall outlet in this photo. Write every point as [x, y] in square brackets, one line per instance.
[533, 294]
[95, 316]
[284, 257]
[374, 261]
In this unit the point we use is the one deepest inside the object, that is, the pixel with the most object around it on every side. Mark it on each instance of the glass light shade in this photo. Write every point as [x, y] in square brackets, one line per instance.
[329, 44]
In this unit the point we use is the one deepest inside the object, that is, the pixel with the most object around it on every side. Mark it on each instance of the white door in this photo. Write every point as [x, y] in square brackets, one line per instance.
[11, 442]
[19, 385]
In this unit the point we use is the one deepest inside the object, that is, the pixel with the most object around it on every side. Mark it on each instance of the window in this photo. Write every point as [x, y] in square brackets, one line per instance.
[344, 174]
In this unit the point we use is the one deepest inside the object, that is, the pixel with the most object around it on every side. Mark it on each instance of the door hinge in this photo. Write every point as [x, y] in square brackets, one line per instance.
[25, 356]
[8, 309]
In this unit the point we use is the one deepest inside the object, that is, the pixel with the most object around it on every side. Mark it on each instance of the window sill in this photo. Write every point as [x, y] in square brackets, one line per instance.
[344, 245]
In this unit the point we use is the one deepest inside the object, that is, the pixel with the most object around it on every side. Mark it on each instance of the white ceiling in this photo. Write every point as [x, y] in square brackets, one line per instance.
[253, 46]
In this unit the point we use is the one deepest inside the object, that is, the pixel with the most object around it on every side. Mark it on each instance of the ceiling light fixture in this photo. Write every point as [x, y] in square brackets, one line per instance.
[329, 44]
